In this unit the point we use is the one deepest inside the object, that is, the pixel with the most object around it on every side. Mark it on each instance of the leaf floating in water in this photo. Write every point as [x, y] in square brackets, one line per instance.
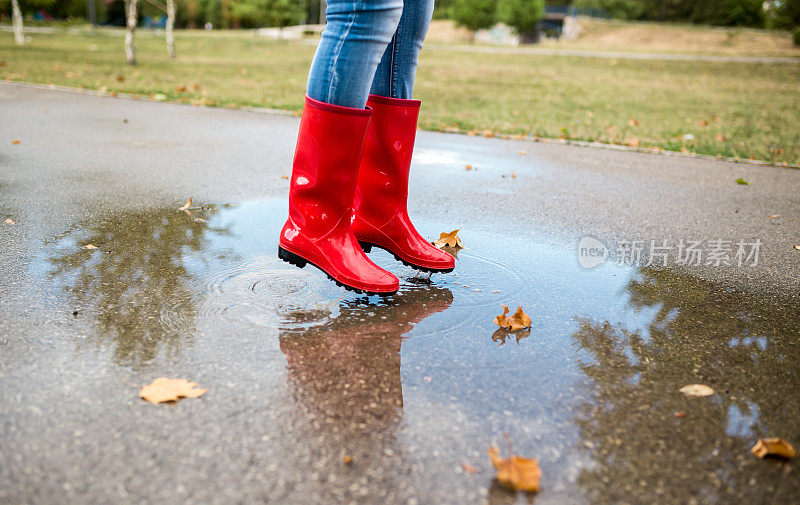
[518, 321]
[187, 205]
[170, 390]
[89, 247]
[773, 447]
[696, 390]
[516, 473]
[448, 239]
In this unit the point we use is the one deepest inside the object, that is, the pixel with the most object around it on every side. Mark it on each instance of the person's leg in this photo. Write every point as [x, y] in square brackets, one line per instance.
[330, 142]
[353, 41]
[398, 67]
[381, 215]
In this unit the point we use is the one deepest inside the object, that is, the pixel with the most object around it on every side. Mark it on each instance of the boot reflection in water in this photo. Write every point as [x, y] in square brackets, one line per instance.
[346, 373]
[369, 50]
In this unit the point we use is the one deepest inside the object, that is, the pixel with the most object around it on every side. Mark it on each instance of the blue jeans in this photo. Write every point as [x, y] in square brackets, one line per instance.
[368, 46]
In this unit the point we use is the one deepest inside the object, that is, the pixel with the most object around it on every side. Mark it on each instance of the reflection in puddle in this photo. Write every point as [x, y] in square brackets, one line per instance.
[590, 390]
[749, 353]
[346, 393]
[137, 285]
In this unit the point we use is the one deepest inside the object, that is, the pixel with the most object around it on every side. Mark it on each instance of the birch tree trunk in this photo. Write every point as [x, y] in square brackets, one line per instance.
[130, 46]
[19, 37]
[170, 26]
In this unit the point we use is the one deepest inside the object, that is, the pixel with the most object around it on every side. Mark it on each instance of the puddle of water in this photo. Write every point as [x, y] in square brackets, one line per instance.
[411, 386]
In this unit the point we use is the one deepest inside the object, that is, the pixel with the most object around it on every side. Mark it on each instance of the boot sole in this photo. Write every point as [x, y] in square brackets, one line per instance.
[367, 247]
[300, 262]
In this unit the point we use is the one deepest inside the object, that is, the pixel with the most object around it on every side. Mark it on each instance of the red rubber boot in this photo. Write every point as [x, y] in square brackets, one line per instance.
[323, 185]
[381, 217]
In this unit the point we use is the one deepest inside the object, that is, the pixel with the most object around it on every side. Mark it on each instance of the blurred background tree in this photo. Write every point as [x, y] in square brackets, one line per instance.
[472, 14]
[475, 15]
[522, 15]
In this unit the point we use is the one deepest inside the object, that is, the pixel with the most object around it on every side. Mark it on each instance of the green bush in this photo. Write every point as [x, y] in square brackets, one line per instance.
[796, 36]
[523, 15]
[475, 14]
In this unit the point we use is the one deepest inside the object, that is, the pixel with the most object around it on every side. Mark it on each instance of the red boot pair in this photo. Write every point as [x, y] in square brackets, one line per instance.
[330, 174]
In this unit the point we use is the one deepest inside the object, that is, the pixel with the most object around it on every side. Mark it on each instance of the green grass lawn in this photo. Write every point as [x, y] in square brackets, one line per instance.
[727, 109]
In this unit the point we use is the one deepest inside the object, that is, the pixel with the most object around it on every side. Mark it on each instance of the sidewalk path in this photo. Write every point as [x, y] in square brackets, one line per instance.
[613, 54]
[316, 395]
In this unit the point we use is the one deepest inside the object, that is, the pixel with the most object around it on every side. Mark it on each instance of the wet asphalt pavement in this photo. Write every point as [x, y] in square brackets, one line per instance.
[303, 375]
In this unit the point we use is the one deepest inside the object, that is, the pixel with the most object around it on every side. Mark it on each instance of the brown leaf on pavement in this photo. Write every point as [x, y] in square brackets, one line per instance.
[518, 321]
[170, 390]
[516, 473]
[774, 447]
[187, 205]
[468, 468]
[774, 216]
[696, 390]
[448, 239]
[90, 247]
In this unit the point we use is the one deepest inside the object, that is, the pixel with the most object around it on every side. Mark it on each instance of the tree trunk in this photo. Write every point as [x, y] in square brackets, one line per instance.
[130, 46]
[91, 13]
[170, 26]
[19, 37]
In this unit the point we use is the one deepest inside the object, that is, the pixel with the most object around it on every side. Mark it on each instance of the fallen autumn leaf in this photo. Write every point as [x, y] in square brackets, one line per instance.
[696, 390]
[9, 221]
[516, 473]
[774, 447]
[468, 468]
[448, 239]
[186, 205]
[518, 321]
[170, 390]
[89, 247]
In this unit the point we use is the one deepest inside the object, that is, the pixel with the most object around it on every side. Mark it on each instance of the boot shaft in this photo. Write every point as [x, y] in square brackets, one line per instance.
[326, 162]
[388, 148]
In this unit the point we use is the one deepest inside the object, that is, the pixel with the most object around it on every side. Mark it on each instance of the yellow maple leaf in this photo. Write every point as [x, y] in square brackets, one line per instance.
[449, 239]
[775, 447]
[170, 390]
[516, 473]
[518, 321]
